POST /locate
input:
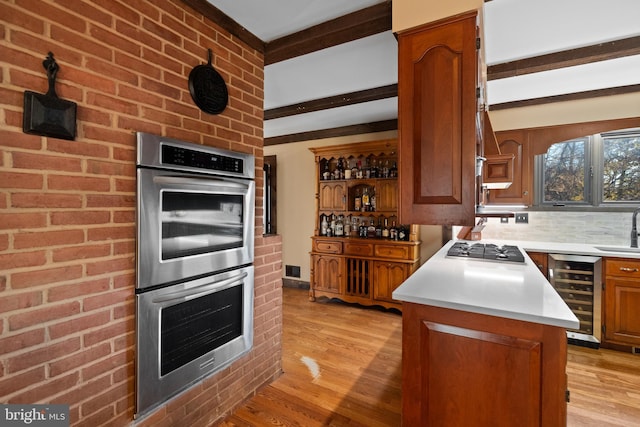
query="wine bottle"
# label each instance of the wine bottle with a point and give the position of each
(357, 201)
(385, 229)
(323, 225)
(393, 232)
(366, 200)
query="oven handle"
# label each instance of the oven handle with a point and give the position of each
(198, 290)
(166, 179)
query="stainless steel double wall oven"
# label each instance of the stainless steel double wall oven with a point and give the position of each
(194, 272)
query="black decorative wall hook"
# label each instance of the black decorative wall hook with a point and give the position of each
(46, 114)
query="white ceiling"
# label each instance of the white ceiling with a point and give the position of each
(514, 29)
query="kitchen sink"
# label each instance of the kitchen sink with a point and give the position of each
(618, 249)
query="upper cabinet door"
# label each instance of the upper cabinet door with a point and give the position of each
(437, 81)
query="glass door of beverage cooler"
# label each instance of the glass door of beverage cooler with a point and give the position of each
(578, 280)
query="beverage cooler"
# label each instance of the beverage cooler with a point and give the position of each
(578, 280)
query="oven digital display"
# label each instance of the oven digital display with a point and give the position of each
(198, 223)
(194, 328)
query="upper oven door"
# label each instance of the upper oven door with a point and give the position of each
(191, 225)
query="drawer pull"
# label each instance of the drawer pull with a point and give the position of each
(629, 269)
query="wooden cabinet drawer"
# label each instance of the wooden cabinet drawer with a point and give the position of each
(622, 268)
(392, 251)
(327, 246)
(360, 249)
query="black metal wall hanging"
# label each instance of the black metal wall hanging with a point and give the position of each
(46, 114)
(208, 88)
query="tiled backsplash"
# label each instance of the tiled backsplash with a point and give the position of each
(611, 228)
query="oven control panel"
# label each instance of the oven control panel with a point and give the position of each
(172, 155)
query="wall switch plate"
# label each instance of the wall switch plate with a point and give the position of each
(504, 220)
(522, 218)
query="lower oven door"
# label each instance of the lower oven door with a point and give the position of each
(188, 331)
(191, 225)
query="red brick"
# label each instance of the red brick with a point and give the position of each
(84, 149)
(22, 259)
(80, 252)
(39, 161)
(111, 201)
(15, 180)
(114, 329)
(44, 391)
(75, 290)
(45, 276)
(114, 298)
(19, 301)
(79, 324)
(106, 365)
(47, 238)
(45, 200)
(74, 361)
(4, 244)
(42, 315)
(78, 183)
(22, 381)
(111, 233)
(41, 355)
(80, 217)
(99, 167)
(21, 341)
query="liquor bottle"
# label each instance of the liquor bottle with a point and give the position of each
(332, 225)
(374, 169)
(326, 174)
(323, 225)
(347, 224)
(371, 230)
(372, 198)
(393, 172)
(355, 232)
(385, 169)
(366, 200)
(359, 174)
(367, 169)
(379, 229)
(362, 229)
(393, 232)
(357, 201)
(354, 170)
(402, 232)
(339, 171)
(339, 227)
(385, 229)
(347, 170)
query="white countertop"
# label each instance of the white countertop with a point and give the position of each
(574, 248)
(510, 290)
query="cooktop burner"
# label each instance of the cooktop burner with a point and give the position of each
(486, 251)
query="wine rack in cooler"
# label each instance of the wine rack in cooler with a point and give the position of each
(578, 280)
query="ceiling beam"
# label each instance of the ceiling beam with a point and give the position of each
(620, 90)
(358, 129)
(567, 58)
(343, 100)
(219, 18)
(363, 23)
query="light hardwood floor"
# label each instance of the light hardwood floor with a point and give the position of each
(342, 363)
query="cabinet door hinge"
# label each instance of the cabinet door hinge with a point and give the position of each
(477, 93)
(567, 396)
(478, 43)
(604, 329)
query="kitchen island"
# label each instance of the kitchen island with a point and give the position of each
(484, 344)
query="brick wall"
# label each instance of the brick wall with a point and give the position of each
(67, 208)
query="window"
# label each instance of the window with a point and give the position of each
(598, 170)
(269, 220)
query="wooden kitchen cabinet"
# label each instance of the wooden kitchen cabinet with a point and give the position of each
(541, 261)
(438, 123)
(469, 369)
(350, 267)
(520, 192)
(622, 299)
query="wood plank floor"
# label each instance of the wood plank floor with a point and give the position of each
(342, 363)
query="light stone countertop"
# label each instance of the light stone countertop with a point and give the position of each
(504, 289)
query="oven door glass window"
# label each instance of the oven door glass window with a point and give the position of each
(197, 223)
(195, 327)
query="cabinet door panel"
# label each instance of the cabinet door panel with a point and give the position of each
(622, 317)
(327, 273)
(437, 123)
(332, 196)
(387, 195)
(520, 191)
(387, 277)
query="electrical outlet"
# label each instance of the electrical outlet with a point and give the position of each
(522, 218)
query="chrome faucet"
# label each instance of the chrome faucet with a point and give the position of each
(634, 229)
